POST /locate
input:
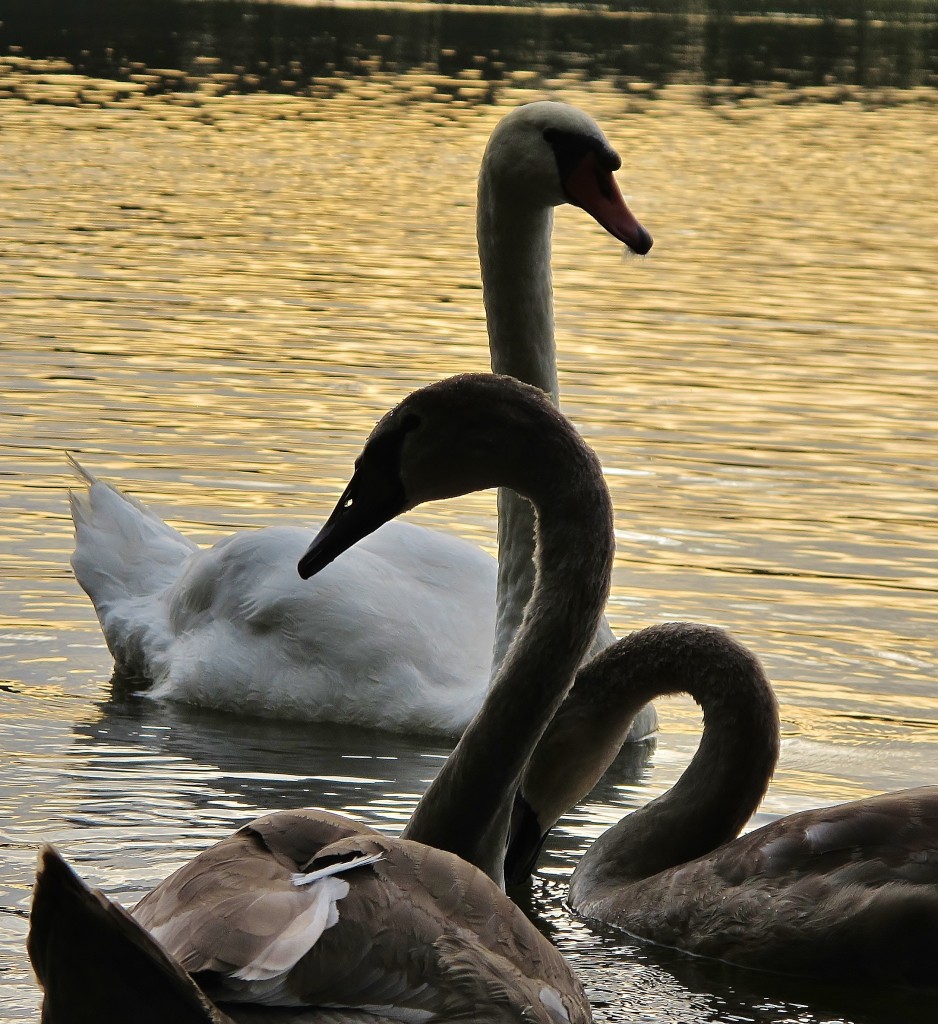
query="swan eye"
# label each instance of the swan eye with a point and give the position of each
(410, 422)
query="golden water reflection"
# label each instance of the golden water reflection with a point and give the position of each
(210, 299)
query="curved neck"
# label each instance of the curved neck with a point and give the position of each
(466, 809)
(721, 787)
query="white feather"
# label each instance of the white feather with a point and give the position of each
(299, 937)
(337, 868)
(554, 1005)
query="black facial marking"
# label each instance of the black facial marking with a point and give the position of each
(386, 449)
(570, 148)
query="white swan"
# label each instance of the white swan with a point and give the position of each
(308, 908)
(399, 635)
(849, 890)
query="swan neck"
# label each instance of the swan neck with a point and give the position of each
(514, 253)
(466, 809)
(719, 790)
(515, 579)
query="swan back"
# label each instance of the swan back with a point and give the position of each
(409, 931)
(240, 610)
(297, 909)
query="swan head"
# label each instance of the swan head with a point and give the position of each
(467, 433)
(547, 153)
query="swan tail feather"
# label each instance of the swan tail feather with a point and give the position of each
(119, 533)
(125, 557)
(889, 933)
(95, 962)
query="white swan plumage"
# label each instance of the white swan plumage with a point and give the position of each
(400, 635)
(233, 627)
(309, 908)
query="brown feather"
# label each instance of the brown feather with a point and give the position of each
(844, 890)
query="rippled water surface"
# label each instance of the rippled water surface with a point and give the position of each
(209, 297)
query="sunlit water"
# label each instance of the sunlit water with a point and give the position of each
(209, 298)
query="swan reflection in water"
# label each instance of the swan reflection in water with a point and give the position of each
(266, 763)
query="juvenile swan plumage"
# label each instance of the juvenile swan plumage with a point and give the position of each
(399, 635)
(308, 908)
(849, 890)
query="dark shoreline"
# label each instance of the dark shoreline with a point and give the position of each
(284, 47)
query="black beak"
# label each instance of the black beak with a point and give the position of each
(369, 501)
(525, 840)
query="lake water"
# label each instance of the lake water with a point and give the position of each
(234, 235)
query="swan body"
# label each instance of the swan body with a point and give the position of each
(400, 635)
(387, 929)
(233, 627)
(840, 892)
(398, 929)
(308, 908)
(849, 890)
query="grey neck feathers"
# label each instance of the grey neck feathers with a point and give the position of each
(514, 252)
(467, 807)
(728, 776)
